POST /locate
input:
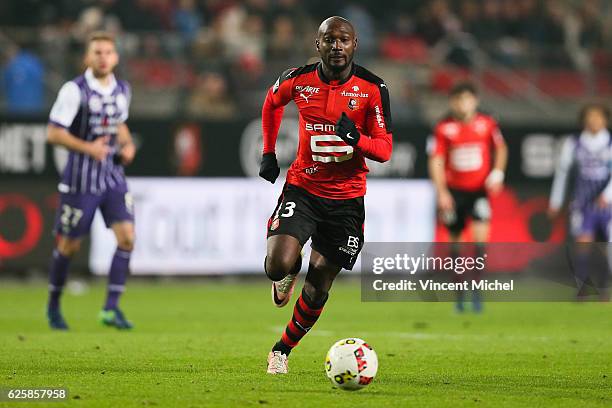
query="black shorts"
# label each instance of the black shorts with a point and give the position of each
(474, 204)
(335, 226)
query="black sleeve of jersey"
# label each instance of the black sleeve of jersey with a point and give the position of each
(282, 78)
(363, 73)
(292, 73)
(386, 106)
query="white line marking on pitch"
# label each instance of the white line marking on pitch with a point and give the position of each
(422, 336)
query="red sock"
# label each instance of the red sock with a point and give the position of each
(304, 317)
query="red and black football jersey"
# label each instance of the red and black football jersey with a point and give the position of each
(325, 165)
(466, 148)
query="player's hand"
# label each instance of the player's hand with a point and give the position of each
(127, 153)
(445, 201)
(269, 169)
(495, 188)
(347, 131)
(495, 181)
(99, 148)
(553, 213)
(602, 202)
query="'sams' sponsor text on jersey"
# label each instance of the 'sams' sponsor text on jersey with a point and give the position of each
(320, 148)
(320, 127)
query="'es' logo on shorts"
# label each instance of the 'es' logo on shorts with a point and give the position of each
(353, 242)
(274, 224)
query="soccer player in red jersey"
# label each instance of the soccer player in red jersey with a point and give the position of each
(462, 168)
(344, 118)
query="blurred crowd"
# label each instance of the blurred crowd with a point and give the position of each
(213, 58)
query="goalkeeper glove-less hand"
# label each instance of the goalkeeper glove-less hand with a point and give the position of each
(347, 131)
(269, 169)
(495, 176)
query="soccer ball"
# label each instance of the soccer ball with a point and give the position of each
(351, 364)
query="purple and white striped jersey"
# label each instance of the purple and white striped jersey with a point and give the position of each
(88, 110)
(591, 157)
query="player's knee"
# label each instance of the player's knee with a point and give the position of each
(278, 266)
(126, 242)
(68, 247)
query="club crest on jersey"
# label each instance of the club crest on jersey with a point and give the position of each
(450, 130)
(481, 127)
(95, 104)
(353, 104)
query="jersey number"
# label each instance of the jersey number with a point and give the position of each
(70, 216)
(129, 202)
(328, 158)
(289, 207)
(467, 157)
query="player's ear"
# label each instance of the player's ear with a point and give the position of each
(355, 43)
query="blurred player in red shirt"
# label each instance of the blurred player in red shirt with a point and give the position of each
(467, 163)
(344, 118)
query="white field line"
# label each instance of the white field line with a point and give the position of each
(423, 336)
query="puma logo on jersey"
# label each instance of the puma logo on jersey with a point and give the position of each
(307, 91)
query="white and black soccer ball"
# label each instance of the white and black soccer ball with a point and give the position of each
(351, 364)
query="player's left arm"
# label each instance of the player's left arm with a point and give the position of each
(495, 179)
(605, 198)
(127, 149)
(377, 144)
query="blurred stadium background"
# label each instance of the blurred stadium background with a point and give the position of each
(200, 69)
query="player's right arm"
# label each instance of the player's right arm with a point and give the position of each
(277, 97)
(437, 172)
(559, 186)
(62, 114)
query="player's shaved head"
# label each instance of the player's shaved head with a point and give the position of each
(333, 22)
(336, 43)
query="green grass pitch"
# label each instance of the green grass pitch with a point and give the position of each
(204, 343)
